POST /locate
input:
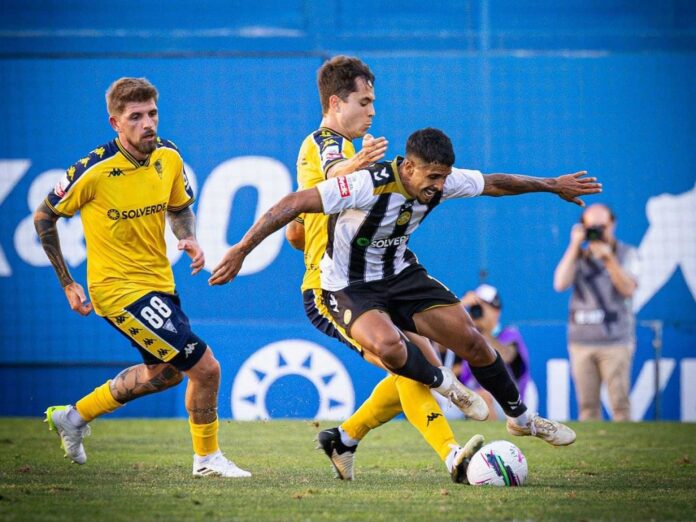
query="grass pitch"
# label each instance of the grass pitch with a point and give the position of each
(141, 470)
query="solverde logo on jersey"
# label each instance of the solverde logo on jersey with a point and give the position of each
(381, 243)
(115, 214)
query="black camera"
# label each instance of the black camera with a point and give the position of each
(476, 311)
(595, 233)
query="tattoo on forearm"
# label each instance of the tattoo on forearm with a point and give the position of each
(133, 382)
(47, 230)
(183, 223)
(276, 217)
(504, 184)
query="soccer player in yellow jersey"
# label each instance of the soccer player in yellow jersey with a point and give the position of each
(347, 98)
(123, 190)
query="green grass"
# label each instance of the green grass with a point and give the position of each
(141, 470)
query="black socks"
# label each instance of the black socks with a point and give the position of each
(496, 379)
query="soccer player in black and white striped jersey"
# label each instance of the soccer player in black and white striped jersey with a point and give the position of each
(375, 287)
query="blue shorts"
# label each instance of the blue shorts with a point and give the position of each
(158, 328)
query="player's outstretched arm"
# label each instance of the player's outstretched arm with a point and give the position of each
(279, 215)
(568, 187)
(183, 224)
(45, 223)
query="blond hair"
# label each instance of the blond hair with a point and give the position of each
(125, 90)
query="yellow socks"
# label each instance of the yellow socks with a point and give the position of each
(97, 403)
(380, 407)
(424, 413)
(205, 438)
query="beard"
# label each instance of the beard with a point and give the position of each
(146, 147)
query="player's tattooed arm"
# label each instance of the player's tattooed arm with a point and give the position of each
(141, 380)
(182, 223)
(45, 222)
(567, 187)
(280, 214)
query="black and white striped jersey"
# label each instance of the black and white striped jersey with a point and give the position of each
(373, 217)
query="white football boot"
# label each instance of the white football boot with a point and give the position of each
(217, 465)
(553, 432)
(71, 437)
(459, 457)
(468, 401)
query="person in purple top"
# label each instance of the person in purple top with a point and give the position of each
(484, 306)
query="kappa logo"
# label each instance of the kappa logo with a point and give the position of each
(190, 348)
(432, 417)
(134, 331)
(162, 352)
(120, 319)
(343, 187)
(115, 172)
(333, 303)
(148, 341)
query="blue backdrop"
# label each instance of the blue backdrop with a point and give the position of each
(540, 89)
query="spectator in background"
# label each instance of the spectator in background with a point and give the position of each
(601, 323)
(484, 306)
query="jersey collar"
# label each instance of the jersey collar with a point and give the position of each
(399, 184)
(335, 132)
(130, 157)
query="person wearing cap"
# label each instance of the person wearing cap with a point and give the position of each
(484, 305)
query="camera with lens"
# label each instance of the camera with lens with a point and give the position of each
(595, 233)
(476, 311)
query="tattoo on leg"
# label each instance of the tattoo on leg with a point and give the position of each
(140, 380)
(203, 411)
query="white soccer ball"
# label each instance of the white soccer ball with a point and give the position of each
(499, 463)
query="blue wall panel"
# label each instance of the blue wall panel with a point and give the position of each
(622, 113)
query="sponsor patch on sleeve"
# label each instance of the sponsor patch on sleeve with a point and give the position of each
(343, 186)
(61, 186)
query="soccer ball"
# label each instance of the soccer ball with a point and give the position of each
(499, 463)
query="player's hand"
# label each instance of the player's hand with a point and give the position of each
(577, 234)
(373, 150)
(195, 252)
(228, 268)
(77, 298)
(570, 186)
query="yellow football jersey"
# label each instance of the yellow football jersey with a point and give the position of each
(122, 205)
(319, 151)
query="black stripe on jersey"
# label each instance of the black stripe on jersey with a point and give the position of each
(73, 173)
(330, 227)
(405, 214)
(363, 238)
(410, 257)
(434, 202)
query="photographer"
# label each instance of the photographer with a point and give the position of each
(601, 324)
(484, 306)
